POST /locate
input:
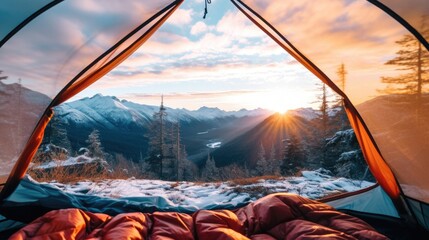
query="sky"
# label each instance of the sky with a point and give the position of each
(222, 61)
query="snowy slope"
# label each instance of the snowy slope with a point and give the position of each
(312, 184)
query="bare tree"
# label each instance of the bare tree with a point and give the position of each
(341, 73)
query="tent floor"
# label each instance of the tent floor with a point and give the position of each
(394, 228)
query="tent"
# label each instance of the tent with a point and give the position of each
(391, 126)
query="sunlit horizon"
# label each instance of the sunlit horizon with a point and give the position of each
(170, 102)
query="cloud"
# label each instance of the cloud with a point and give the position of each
(219, 94)
(194, 75)
(199, 27)
(181, 17)
(227, 100)
(166, 43)
(237, 25)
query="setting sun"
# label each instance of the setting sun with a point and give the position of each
(280, 100)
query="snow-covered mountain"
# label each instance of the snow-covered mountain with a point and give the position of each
(109, 112)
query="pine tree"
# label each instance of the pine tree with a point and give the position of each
(94, 145)
(261, 163)
(157, 151)
(323, 110)
(183, 168)
(413, 61)
(57, 134)
(178, 153)
(187, 170)
(322, 122)
(210, 172)
(274, 162)
(294, 156)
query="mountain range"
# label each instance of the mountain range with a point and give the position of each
(124, 124)
(109, 112)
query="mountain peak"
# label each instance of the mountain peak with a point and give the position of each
(98, 95)
(110, 108)
(205, 108)
(101, 96)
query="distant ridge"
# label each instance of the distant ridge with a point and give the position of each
(110, 111)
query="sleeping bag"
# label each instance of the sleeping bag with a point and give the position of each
(277, 216)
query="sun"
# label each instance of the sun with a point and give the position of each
(279, 100)
(280, 107)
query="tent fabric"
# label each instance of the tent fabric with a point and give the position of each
(19, 169)
(395, 127)
(412, 11)
(376, 163)
(421, 210)
(374, 201)
(13, 16)
(277, 216)
(83, 38)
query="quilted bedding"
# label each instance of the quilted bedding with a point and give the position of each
(277, 216)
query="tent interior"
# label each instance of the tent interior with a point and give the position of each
(333, 107)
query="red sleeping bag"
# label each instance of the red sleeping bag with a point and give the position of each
(277, 216)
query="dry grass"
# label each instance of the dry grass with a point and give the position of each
(120, 168)
(123, 168)
(253, 191)
(69, 174)
(252, 180)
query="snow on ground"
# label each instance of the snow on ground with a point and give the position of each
(214, 145)
(81, 159)
(312, 184)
